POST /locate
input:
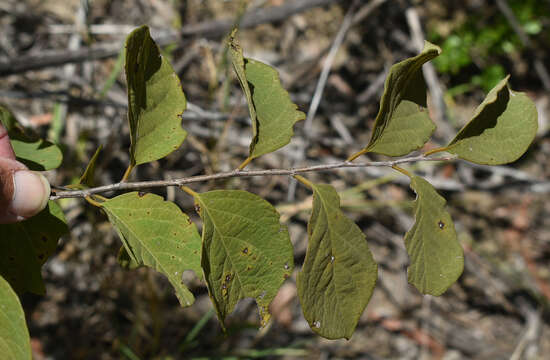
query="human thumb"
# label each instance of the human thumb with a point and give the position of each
(23, 193)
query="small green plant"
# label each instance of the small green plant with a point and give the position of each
(243, 250)
(482, 36)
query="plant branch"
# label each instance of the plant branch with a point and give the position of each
(236, 173)
(320, 87)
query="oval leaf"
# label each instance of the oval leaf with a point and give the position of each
(339, 273)
(14, 335)
(26, 246)
(501, 130)
(272, 113)
(35, 153)
(246, 252)
(403, 124)
(155, 100)
(437, 259)
(156, 233)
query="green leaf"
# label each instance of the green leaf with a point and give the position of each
(87, 177)
(339, 272)
(123, 258)
(272, 113)
(26, 246)
(437, 259)
(155, 100)
(246, 252)
(501, 130)
(7, 118)
(237, 58)
(403, 124)
(35, 153)
(14, 335)
(156, 233)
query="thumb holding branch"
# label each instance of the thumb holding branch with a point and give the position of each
(23, 193)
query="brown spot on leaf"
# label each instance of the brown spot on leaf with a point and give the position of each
(286, 276)
(228, 277)
(41, 256)
(12, 258)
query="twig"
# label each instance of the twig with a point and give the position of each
(446, 132)
(531, 334)
(211, 28)
(236, 173)
(321, 82)
(327, 65)
(374, 88)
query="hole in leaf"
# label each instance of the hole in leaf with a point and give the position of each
(441, 224)
(317, 324)
(141, 193)
(245, 251)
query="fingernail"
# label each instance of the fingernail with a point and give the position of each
(31, 193)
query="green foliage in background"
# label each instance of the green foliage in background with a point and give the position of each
(484, 38)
